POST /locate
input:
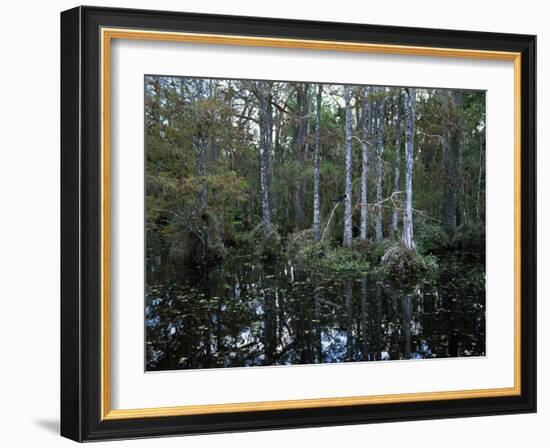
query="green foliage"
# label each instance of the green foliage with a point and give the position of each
(431, 239)
(271, 246)
(326, 256)
(345, 260)
(408, 266)
(254, 242)
(470, 240)
(199, 237)
(299, 241)
(377, 249)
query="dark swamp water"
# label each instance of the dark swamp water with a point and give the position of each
(254, 313)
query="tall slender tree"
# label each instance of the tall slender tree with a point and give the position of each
(301, 147)
(366, 118)
(348, 158)
(397, 164)
(452, 163)
(271, 149)
(316, 174)
(264, 93)
(410, 112)
(479, 177)
(156, 104)
(200, 140)
(381, 118)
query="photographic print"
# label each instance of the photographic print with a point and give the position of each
(285, 202)
(303, 223)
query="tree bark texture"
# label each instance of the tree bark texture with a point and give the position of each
(381, 109)
(452, 165)
(348, 158)
(316, 174)
(302, 130)
(397, 165)
(264, 149)
(366, 119)
(410, 110)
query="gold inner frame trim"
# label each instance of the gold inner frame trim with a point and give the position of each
(107, 35)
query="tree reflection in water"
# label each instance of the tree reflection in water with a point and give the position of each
(253, 313)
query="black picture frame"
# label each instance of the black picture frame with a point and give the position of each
(81, 224)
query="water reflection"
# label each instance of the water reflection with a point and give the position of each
(251, 313)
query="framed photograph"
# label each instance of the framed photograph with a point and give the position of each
(272, 223)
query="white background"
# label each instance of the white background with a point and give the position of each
(133, 388)
(29, 177)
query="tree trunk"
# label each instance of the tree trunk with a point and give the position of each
(303, 103)
(156, 106)
(397, 166)
(452, 165)
(410, 110)
(348, 155)
(316, 176)
(265, 142)
(379, 150)
(271, 150)
(481, 165)
(202, 170)
(200, 142)
(367, 112)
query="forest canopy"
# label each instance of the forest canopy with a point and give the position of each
(264, 165)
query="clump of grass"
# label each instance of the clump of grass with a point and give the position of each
(326, 256)
(408, 266)
(344, 260)
(376, 250)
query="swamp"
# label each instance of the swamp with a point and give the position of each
(303, 223)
